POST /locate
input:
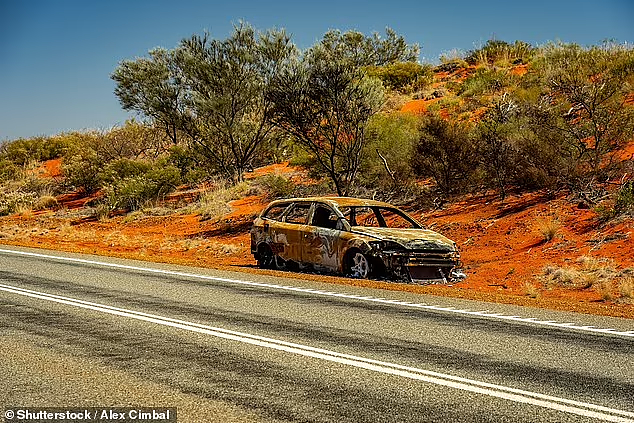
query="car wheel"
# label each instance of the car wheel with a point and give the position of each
(359, 265)
(266, 258)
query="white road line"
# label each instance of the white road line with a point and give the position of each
(485, 313)
(446, 380)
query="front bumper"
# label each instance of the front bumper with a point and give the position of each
(423, 267)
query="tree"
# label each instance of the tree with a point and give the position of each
(370, 51)
(496, 149)
(446, 152)
(325, 102)
(211, 90)
(153, 87)
(584, 102)
(230, 116)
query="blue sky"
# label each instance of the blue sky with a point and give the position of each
(56, 56)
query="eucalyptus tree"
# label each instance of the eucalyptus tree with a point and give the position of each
(211, 90)
(325, 101)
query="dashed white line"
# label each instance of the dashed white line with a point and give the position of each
(498, 391)
(420, 306)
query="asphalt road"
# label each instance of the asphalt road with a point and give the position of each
(219, 346)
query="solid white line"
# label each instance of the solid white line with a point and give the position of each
(498, 391)
(490, 315)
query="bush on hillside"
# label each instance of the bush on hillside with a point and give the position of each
(497, 52)
(446, 152)
(406, 77)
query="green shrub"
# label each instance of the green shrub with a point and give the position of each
(124, 168)
(133, 192)
(83, 171)
(446, 151)
(27, 150)
(502, 53)
(624, 203)
(485, 81)
(277, 186)
(9, 171)
(403, 76)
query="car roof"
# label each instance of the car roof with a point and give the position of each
(335, 201)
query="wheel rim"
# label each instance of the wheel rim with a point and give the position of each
(360, 268)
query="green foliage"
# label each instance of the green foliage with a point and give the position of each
(386, 161)
(485, 81)
(83, 170)
(624, 203)
(133, 140)
(583, 92)
(406, 77)
(360, 50)
(495, 143)
(132, 192)
(325, 103)
(277, 186)
(212, 91)
(28, 150)
(124, 169)
(189, 163)
(446, 152)
(497, 52)
(9, 170)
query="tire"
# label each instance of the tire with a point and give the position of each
(358, 265)
(266, 258)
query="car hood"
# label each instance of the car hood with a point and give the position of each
(414, 239)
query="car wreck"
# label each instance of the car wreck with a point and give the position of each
(359, 238)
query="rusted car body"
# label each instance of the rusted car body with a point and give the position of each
(360, 238)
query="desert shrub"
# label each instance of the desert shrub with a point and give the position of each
(485, 81)
(123, 169)
(277, 186)
(451, 61)
(9, 170)
(598, 274)
(624, 203)
(189, 163)
(83, 171)
(446, 152)
(213, 202)
(133, 192)
(133, 140)
(386, 160)
(403, 76)
(46, 202)
(27, 150)
(497, 52)
(548, 228)
(15, 201)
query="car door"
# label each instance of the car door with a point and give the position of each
(321, 245)
(288, 233)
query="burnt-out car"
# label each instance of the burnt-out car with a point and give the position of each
(360, 238)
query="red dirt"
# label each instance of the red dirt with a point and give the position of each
(501, 246)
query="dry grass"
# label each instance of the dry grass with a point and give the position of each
(531, 290)
(626, 287)
(599, 274)
(549, 228)
(213, 202)
(46, 202)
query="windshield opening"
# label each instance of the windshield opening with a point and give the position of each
(378, 217)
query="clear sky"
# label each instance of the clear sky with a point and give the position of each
(56, 56)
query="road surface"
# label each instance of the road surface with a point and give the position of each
(234, 347)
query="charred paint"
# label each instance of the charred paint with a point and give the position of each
(315, 232)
